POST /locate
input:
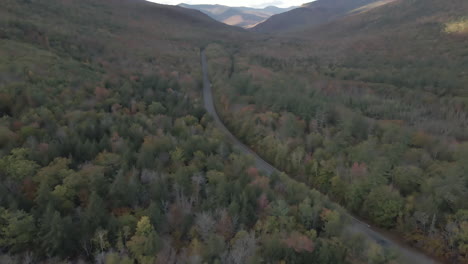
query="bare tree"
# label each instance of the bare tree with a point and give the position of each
(184, 203)
(245, 246)
(28, 258)
(167, 255)
(198, 181)
(205, 224)
(149, 176)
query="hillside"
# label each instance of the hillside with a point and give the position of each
(238, 16)
(314, 14)
(400, 41)
(97, 34)
(370, 108)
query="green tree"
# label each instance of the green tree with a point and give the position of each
(95, 214)
(384, 206)
(306, 213)
(146, 243)
(17, 166)
(156, 108)
(115, 258)
(6, 136)
(156, 215)
(123, 192)
(408, 179)
(54, 173)
(17, 230)
(56, 234)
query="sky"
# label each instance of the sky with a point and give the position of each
(249, 3)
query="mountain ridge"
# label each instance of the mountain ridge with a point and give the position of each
(245, 17)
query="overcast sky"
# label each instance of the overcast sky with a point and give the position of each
(250, 3)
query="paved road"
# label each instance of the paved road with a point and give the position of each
(210, 108)
(407, 254)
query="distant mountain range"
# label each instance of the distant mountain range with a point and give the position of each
(315, 13)
(245, 17)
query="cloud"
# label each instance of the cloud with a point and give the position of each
(249, 3)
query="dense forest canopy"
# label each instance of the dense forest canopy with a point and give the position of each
(108, 156)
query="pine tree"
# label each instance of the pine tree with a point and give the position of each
(156, 215)
(56, 234)
(95, 214)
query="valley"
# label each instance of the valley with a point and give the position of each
(238, 16)
(136, 132)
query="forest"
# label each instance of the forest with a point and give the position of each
(135, 171)
(107, 156)
(378, 126)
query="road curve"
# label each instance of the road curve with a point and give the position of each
(406, 254)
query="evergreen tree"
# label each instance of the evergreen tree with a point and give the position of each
(56, 234)
(95, 214)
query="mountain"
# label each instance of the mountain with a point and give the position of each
(314, 14)
(238, 16)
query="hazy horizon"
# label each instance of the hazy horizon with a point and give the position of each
(234, 3)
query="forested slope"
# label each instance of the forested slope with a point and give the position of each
(314, 14)
(370, 109)
(106, 155)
